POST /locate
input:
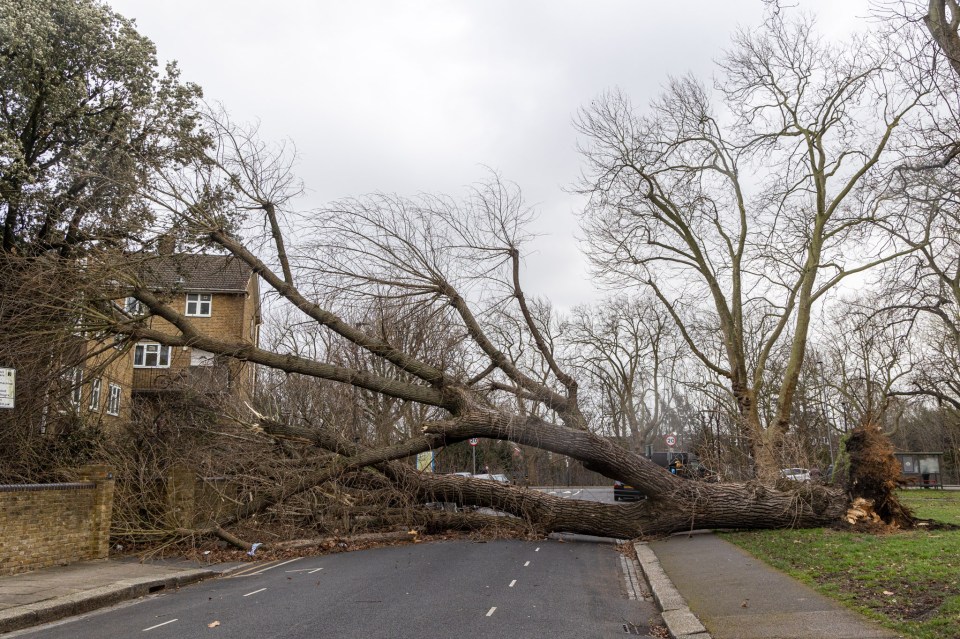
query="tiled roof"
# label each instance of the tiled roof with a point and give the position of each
(191, 272)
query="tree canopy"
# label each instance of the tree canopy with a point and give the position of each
(85, 116)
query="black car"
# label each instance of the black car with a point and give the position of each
(623, 492)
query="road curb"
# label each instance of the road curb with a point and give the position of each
(82, 602)
(680, 621)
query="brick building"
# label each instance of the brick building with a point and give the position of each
(100, 388)
(220, 295)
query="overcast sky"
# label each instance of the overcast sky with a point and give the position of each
(418, 96)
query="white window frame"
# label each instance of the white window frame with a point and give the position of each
(75, 378)
(133, 306)
(113, 399)
(95, 387)
(143, 350)
(200, 357)
(198, 305)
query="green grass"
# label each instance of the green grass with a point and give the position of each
(939, 505)
(919, 569)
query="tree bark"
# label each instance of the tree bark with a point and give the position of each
(944, 30)
(672, 504)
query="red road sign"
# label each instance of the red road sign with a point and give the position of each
(474, 441)
(671, 440)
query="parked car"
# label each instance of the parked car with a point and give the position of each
(503, 479)
(624, 492)
(795, 474)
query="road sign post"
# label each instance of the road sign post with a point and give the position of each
(473, 447)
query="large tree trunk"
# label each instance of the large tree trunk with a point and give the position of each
(672, 503)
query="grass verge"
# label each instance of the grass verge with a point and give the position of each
(908, 581)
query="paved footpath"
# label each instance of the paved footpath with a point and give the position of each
(737, 596)
(50, 594)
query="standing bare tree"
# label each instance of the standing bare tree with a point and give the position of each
(625, 350)
(924, 287)
(740, 217)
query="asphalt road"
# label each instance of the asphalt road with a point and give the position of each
(452, 589)
(560, 587)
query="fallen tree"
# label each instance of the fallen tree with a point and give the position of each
(672, 504)
(490, 366)
(480, 386)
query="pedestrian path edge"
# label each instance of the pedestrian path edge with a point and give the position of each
(78, 603)
(680, 621)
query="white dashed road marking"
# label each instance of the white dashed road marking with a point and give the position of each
(254, 592)
(261, 567)
(159, 624)
(512, 583)
(490, 612)
(526, 564)
(282, 563)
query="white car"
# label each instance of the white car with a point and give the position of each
(503, 479)
(795, 474)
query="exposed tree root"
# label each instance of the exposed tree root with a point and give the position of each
(874, 478)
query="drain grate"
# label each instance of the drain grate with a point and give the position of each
(633, 629)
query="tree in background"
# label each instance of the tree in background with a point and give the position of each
(85, 116)
(626, 352)
(740, 217)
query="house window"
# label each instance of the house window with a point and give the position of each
(150, 355)
(133, 306)
(75, 379)
(95, 387)
(201, 358)
(113, 400)
(198, 304)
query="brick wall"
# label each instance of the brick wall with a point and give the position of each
(54, 524)
(196, 501)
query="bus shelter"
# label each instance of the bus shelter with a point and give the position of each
(921, 469)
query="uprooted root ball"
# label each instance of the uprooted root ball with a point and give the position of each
(875, 475)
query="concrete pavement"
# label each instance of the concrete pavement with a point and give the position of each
(707, 587)
(42, 596)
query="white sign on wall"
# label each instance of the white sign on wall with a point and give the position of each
(8, 387)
